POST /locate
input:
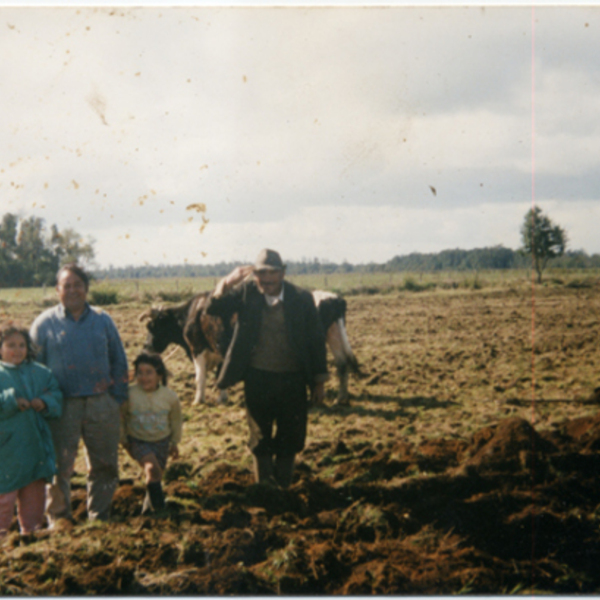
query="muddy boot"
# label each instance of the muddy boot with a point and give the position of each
(263, 469)
(284, 470)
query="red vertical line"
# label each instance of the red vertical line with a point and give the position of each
(533, 512)
(533, 220)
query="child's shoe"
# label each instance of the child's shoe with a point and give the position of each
(154, 499)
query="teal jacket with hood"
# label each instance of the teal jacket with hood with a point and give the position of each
(26, 448)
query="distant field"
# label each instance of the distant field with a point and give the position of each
(147, 290)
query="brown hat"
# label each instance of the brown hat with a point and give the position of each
(268, 260)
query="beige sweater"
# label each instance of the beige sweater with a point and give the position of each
(151, 416)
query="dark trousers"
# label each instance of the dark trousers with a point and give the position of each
(278, 399)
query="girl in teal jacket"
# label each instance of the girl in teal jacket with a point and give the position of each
(29, 394)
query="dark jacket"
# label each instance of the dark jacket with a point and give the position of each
(304, 332)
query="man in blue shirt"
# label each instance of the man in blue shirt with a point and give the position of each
(82, 347)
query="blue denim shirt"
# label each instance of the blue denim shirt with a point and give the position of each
(86, 356)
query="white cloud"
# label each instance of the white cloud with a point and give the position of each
(116, 119)
(336, 233)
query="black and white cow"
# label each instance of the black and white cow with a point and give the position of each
(332, 313)
(205, 338)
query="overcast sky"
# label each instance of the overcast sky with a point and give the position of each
(204, 134)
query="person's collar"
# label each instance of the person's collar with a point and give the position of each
(10, 365)
(272, 300)
(63, 312)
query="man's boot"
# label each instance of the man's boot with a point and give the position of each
(263, 469)
(284, 470)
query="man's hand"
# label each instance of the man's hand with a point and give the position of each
(174, 451)
(23, 404)
(236, 276)
(38, 405)
(317, 394)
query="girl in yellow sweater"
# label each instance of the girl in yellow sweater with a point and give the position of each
(151, 425)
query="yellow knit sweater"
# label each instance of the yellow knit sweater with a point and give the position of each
(151, 416)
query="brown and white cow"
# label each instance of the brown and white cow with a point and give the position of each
(205, 338)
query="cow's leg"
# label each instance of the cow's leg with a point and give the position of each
(336, 342)
(200, 366)
(223, 397)
(214, 362)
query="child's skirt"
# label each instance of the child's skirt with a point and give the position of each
(160, 449)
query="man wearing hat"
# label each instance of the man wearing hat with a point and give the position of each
(278, 349)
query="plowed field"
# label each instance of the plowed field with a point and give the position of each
(467, 462)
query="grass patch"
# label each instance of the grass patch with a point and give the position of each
(579, 284)
(103, 297)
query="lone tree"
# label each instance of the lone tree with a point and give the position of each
(542, 239)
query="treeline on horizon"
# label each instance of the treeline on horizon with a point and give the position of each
(478, 259)
(31, 253)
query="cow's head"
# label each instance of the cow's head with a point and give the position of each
(163, 327)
